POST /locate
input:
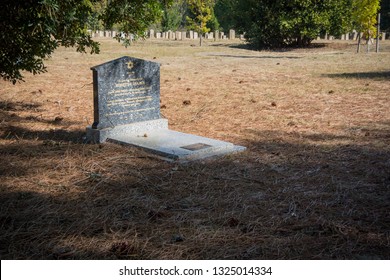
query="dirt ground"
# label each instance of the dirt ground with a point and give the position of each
(314, 182)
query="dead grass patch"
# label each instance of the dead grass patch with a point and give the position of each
(313, 184)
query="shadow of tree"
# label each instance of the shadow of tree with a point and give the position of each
(315, 45)
(17, 132)
(11, 127)
(18, 106)
(383, 75)
(288, 197)
(252, 57)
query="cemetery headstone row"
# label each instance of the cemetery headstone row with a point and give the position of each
(349, 36)
(216, 35)
(174, 35)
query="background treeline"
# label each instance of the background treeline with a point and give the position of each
(31, 30)
(175, 15)
(271, 23)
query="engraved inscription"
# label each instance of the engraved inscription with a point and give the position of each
(128, 93)
(126, 90)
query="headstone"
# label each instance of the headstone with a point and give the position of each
(383, 36)
(191, 34)
(196, 35)
(343, 37)
(164, 35)
(216, 35)
(222, 34)
(178, 35)
(101, 33)
(158, 35)
(184, 35)
(211, 35)
(113, 33)
(347, 36)
(354, 36)
(126, 90)
(232, 34)
(127, 111)
(151, 34)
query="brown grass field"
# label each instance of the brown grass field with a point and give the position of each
(314, 182)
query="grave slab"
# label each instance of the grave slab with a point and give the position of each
(176, 146)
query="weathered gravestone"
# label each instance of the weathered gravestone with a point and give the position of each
(127, 111)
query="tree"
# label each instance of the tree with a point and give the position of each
(340, 15)
(364, 18)
(133, 16)
(200, 13)
(94, 21)
(385, 14)
(174, 15)
(30, 30)
(213, 23)
(270, 23)
(225, 13)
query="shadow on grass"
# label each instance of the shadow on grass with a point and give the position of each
(252, 57)
(247, 46)
(11, 120)
(287, 197)
(12, 132)
(382, 75)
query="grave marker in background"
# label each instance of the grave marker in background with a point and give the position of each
(232, 34)
(216, 35)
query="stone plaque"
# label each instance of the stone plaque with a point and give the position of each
(196, 146)
(126, 90)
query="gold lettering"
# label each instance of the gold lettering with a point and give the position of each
(130, 83)
(127, 112)
(137, 100)
(127, 91)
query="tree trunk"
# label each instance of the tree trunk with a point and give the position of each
(359, 38)
(378, 31)
(200, 39)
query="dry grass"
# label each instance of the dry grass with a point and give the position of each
(313, 184)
